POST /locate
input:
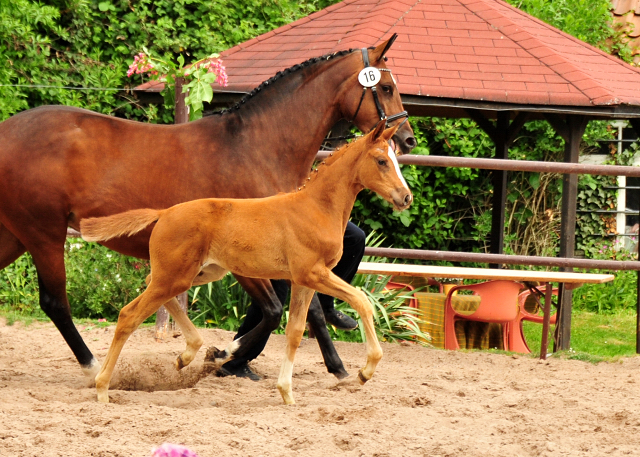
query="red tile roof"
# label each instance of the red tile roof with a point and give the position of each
(468, 49)
(626, 15)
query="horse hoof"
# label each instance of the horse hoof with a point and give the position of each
(361, 378)
(342, 374)
(91, 371)
(179, 363)
(214, 354)
(287, 397)
(103, 397)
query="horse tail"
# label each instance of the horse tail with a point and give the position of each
(128, 223)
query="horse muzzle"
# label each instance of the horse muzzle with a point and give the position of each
(401, 198)
(404, 140)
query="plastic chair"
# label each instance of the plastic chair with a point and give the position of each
(413, 301)
(498, 303)
(430, 283)
(517, 342)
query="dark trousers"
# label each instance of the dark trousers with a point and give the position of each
(352, 252)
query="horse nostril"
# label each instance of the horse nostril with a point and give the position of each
(407, 199)
(411, 142)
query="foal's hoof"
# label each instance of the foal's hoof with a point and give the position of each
(179, 363)
(103, 396)
(361, 378)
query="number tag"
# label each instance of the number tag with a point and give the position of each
(369, 77)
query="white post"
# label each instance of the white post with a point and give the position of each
(621, 217)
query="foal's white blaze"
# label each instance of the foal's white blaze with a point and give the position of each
(394, 159)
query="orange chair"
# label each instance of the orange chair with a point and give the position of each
(498, 303)
(517, 342)
(413, 302)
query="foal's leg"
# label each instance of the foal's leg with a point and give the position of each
(326, 282)
(192, 336)
(300, 299)
(131, 316)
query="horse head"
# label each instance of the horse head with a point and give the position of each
(378, 168)
(373, 95)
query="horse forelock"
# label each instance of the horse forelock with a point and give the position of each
(278, 76)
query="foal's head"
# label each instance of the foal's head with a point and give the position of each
(377, 168)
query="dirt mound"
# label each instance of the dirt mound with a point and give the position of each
(421, 402)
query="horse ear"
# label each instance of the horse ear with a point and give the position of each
(377, 131)
(390, 132)
(378, 53)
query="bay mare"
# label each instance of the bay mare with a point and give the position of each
(295, 236)
(59, 165)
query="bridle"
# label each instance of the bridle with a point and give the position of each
(376, 100)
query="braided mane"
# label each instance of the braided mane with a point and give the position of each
(279, 75)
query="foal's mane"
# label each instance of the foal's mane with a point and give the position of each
(334, 156)
(279, 75)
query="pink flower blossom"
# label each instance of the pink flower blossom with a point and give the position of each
(141, 64)
(172, 450)
(219, 69)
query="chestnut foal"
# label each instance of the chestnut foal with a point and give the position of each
(295, 236)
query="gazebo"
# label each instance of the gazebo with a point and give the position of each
(481, 59)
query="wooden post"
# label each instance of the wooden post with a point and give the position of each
(503, 135)
(162, 315)
(635, 123)
(572, 131)
(499, 181)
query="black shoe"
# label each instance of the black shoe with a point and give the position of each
(243, 371)
(339, 320)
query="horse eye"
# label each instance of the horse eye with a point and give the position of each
(386, 89)
(382, 162)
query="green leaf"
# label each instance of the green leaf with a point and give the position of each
(534, 180)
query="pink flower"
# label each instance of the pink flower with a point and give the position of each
(217, 68)
(141, 64)
(172, 450)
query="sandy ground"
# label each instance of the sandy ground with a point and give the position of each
(421, 402)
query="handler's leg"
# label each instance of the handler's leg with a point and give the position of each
(346, 269)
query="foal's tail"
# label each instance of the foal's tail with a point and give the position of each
(129, 223)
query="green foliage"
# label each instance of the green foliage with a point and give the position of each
(88, 43)
(594, 337)
(452, 206)
(99, 282)
(221, 304)
(19, 288)
(394, 320)
(444, 198)
(587, 20)
(611, 297)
